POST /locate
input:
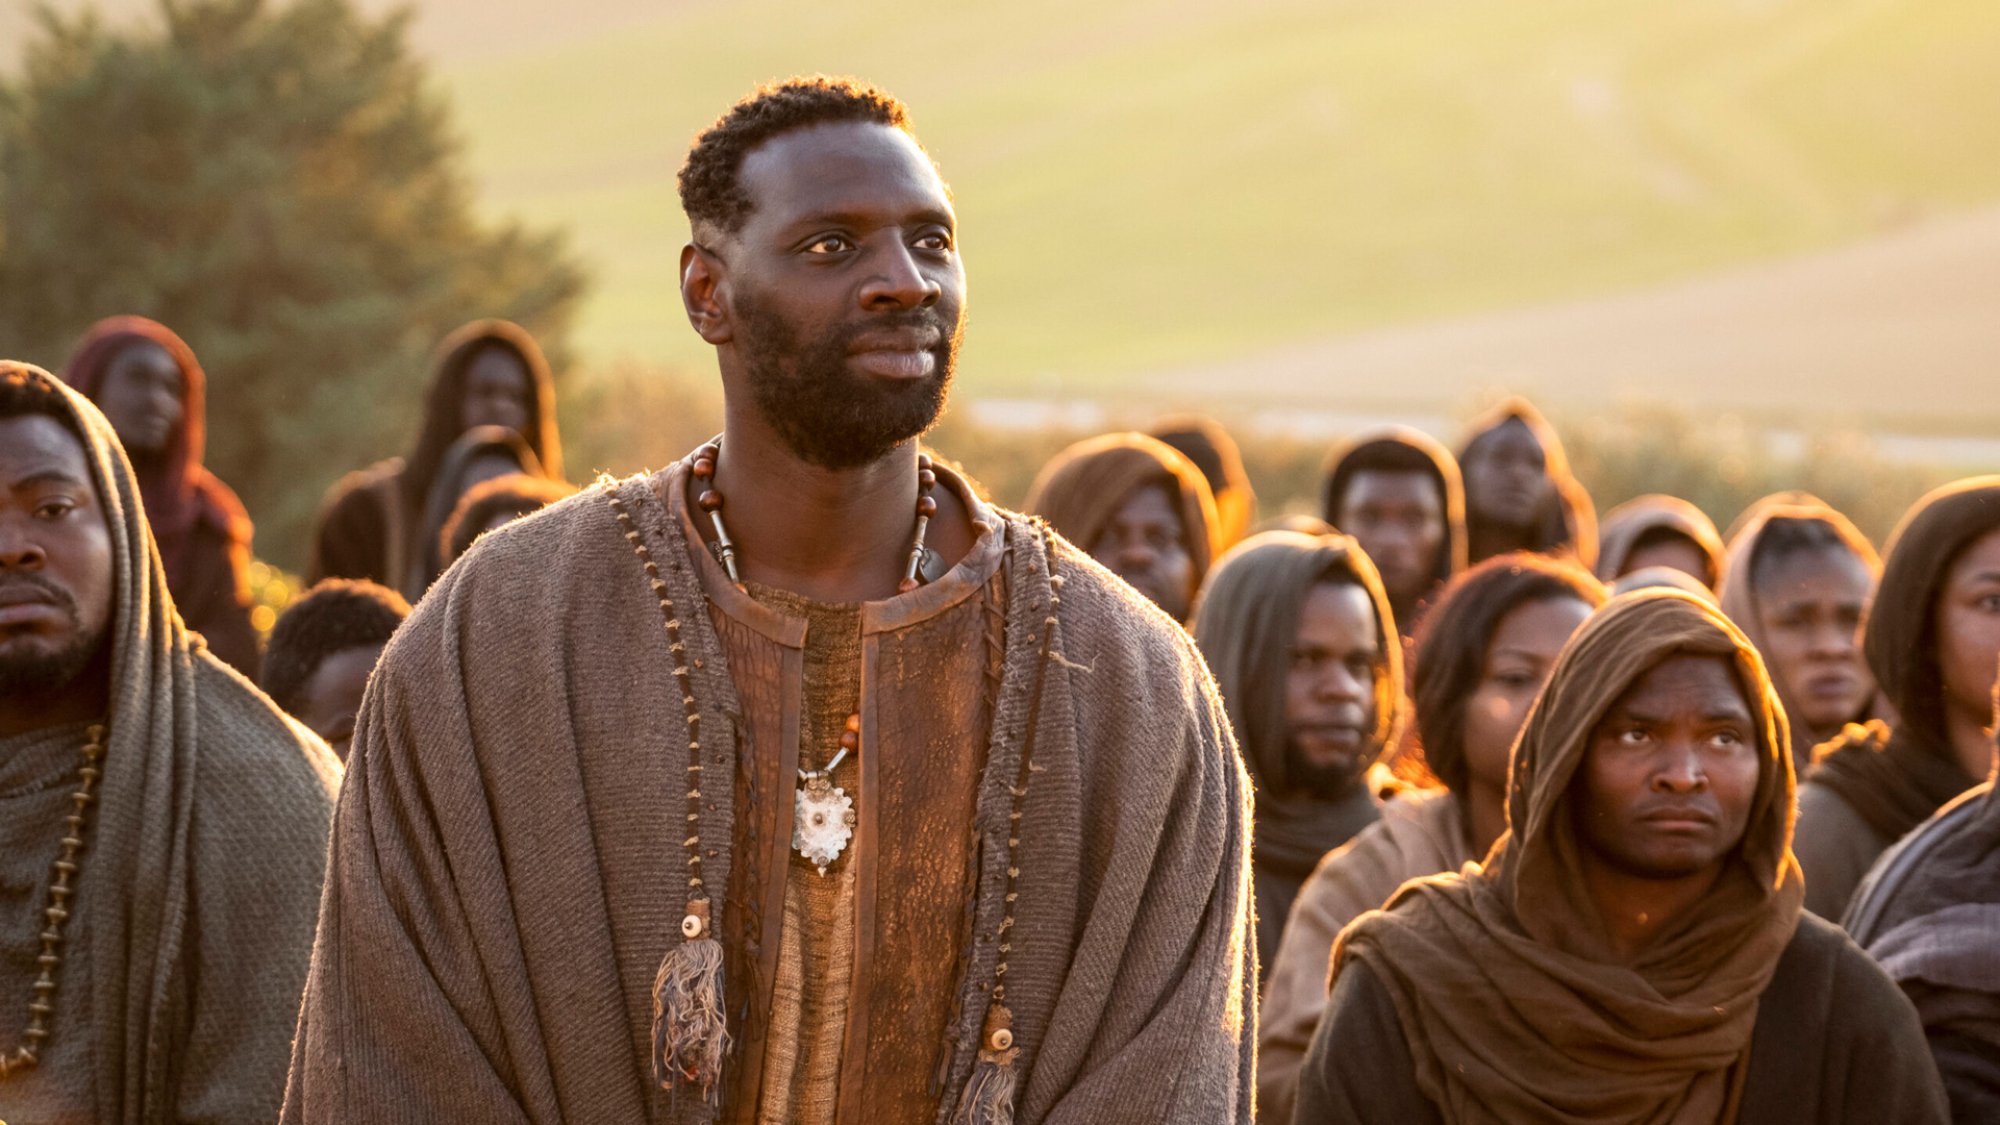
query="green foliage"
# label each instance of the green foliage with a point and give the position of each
(282, 186)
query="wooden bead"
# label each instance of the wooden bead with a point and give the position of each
(854, 722)
(926, 506)
(704, 468)
(850, 741)
(926, 479)
(710, 501)
(924, 464)
(1001, 1039)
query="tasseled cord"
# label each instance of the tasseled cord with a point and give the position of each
(989, 1094)
(690, 1032)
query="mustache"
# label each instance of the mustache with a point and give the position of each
(917, 319)
(50, 592)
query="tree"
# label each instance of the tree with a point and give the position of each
(280, 185)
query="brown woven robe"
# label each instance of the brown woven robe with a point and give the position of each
(200, 876)
(506, 868)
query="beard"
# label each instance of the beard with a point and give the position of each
(826, 414)
(1328, 777)
(29, 669)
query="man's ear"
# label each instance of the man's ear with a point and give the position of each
(701, 294)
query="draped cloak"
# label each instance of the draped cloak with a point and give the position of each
(200, 873)
(506, 867)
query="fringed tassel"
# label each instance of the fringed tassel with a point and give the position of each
(988, 1098)
(690, 1030)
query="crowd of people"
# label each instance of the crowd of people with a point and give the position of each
(860, 797)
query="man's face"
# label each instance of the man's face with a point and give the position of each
(1506, 476)
(331, 697)
(1519, 658)
(844, 291)
(144, 397)
(1809, 606)
(1666, 784)
(1398, 518)
(1146, 545)
(496, 391)
(55, 558)
(1330, 688)
(1967, 625)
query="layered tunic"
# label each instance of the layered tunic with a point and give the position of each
(186, 950)
(507, 864)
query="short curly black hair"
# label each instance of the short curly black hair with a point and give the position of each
(513, 495)
(332, 617)
(711, 191)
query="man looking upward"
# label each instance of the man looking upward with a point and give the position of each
(770, 787)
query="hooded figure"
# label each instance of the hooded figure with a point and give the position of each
(1501, 994)
(1871, 785)
(1812, 648)
(1519, 493)
(1085, 493)
(484, 453)
(1204, 442)
(1249, 628)
(1928, 913)
(372, 524)
(1415, 550)
(200, 526)
(194, 891)
(1659, 530)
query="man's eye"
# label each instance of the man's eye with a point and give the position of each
(1727, 738)
(1634, 736)
(1989, 603)
(54, 509)
(830, 244)
(936, 241)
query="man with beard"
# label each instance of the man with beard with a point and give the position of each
(1138, 507)
(1397, 492)
(773, 786)
(1298, 632)
(1635, 948)
(162, 826)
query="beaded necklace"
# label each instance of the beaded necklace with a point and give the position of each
(41, 1006)
(822, 812)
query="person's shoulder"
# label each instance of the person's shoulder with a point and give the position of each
(537, 551)
(1822, 961)
(1100, 610)
(266, 760)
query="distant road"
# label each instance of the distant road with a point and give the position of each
(1896, 331)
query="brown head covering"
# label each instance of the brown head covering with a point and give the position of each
(179, 493)
(1204, 442)
(1245, 625)
(1396, 449)
(1737, 592)
(1082, 488)
(204, 854)
(1895, 781)
(1626, 524)
(1511, 1000)
(1570, 523)
(448, 487)
(444, 403)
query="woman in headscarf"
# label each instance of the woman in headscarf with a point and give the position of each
(1633, 950)
(1797, 580)
(1138, 507)
(145, 379)
(1481, 658)
(1298, 633)
(1519, 493)
(1932, 638)
(1397, 492)
(1204, 442)
(1659, 530)
(488, 373)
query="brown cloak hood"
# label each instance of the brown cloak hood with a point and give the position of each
(1896, 782)
(1626, 524)
(1512, 1003)
(1204, 442)
(1570, 522)
(1083, 487)
(1363, 452)
(204, 854)
(1738, 594)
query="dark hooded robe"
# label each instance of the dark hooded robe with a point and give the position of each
(1568, 524)
(371, 524)
(1873, 784)
(200, 526)
(1929, 913)
(1204, 442)
(1386, 449)
(1246, 626)
(1737, 594)
(192, 920)
(1082, 488)
(1495, 995)
(453, 481)
(1636, 519)
(510, 871)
